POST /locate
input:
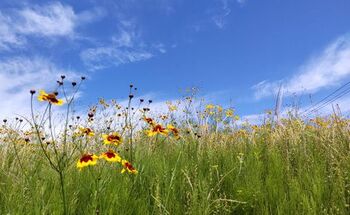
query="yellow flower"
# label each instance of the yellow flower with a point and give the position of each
(150, 121)
(50, 97)
(229, 113)
(210, 106)
(174, 130)
(87, 160)
(128, 167)
(111, 156)
(157, 129)
(114, 138)
(86, 131)
(219, 108)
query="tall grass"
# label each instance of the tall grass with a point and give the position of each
(295, 167)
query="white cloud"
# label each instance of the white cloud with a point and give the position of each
(327, 69)
(220, 18)
(20, 74)
(102, 57)
(50, 20)
(53, 19)
(125, 47)
(241, 2)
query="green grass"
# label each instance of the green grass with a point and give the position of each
(290, 169)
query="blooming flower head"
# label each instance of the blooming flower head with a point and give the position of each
(229, 113)
(113, 138)
(111, 156)
(86, 131)
(157, 129)
(87, 160)
(209, 106)
(49, 97)
(150, 121)
(174, 131)
(128, 167)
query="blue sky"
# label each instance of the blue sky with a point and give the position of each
(238, 52)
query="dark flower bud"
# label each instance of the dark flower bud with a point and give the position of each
(131, 85)
(83, 78)
(21, 120)
(74, 83)
(108, 127)
(131, 96)
(56, 93)
(32, 92)
(27, 140)
(142, 100)
(90, 115)
(135, 88)
(63, 77)
(60, 83)
(78, 117)
(150, 101)
(16, 118)
(5, 120)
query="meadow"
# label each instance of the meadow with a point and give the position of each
(194, 158)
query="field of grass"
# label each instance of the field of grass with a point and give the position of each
(208, 164)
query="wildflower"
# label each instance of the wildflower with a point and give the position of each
(164, 117)
(150, 121)
(174, 130)
(219, 108)
(209, 106)
(87, 131)
(229, 113)
(157, 129)
(50, 97)
(114, 138)
(128, 167)
(87, 160)
(111, 156)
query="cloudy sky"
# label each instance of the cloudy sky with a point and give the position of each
(238, 52)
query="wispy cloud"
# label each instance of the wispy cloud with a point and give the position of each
(219, 19)
(19, 75)
(51, 20)
(327, 69)
(241, 2)
(125, 47)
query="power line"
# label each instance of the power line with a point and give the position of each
(325, 98)
(329, 99)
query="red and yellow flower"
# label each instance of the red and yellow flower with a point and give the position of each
(128, 167)
(111, 156)
(157, 129)
(87, 160)
(49, 97)
(150, 121)
(174, 131)
(112, 138)
(86, 131)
